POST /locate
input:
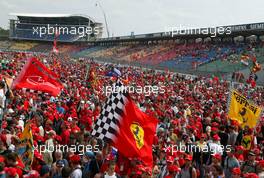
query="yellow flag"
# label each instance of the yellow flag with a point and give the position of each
(26, 149)
(243, 110)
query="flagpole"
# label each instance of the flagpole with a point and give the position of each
(106, 24)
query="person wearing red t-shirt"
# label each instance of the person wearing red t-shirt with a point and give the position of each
(239, 154)
(109, 158)
(96, 112)
(173, 171)
(85, 116)
(74, 126)
(37, 161)
(65, 134)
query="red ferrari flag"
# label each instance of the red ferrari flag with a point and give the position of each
(36, 76)
(129, 129)
(136, 134)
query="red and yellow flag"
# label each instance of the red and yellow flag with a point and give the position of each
(136, 134)
(25, 149)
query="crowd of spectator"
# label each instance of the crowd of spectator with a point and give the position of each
(191, 112)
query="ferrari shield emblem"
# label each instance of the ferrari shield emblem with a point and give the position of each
(138, 133)
(246, 142)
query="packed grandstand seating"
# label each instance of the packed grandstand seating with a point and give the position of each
(180, 56)
(209, 57)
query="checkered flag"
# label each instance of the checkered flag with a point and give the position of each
(108, 123)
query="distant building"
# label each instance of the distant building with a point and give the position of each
(45, 27)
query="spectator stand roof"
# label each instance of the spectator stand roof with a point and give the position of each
(51, 17)
(236, 30)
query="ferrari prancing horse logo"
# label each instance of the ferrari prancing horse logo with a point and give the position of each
(138, 133)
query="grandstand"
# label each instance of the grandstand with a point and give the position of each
(23, 46)
(5, 44)
(198, 54)
(194, 54)
(43, 27)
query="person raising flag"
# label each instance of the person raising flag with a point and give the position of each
(123, 124)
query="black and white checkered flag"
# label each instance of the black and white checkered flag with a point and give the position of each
(108, 123)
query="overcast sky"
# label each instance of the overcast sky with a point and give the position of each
(145, 16)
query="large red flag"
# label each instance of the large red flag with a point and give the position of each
(36, 76)
(136, 134)
(129, 129)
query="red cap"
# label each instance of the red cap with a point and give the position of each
(175, 122)
(203, 135)
(216, 137)
(251, 175)
(188, 157)
(240, 148)
(75, 159)
(32, 174)
(38, 155)
(215, 124)
(11, 171)
(34, 129)
(75, 129)
(170, 159)
(214, 129)
(138, 172)
(261, 163)
(189, 127)
(217, 156)
(2, 159)
(234, 123)
(174, 168)
(256, 151)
